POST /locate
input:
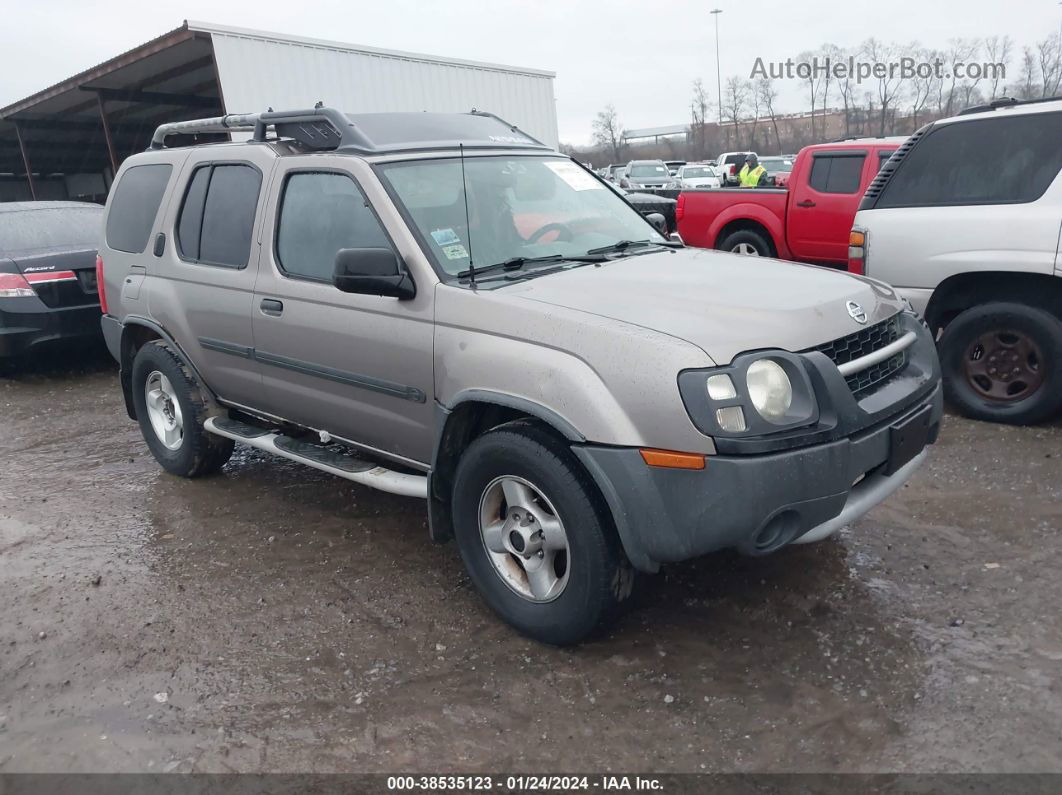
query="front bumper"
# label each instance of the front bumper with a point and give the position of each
(761, 493)
(753, 503)
(25, 322)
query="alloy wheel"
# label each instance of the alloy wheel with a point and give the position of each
(524, 538)
(164, 410)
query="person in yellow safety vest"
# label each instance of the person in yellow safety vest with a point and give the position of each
(752, 174)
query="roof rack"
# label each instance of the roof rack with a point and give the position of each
(318, 128)
(322, 128)
(1005, 102)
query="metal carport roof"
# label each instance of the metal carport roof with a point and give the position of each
(68, 140)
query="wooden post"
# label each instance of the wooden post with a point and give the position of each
(107, 134)
(26, 162)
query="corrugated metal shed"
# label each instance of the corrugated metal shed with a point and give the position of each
(67, 140)
(259, 70)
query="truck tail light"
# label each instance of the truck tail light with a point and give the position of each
(100, 288)
(14, 285)
(680, 207)
(857, 250)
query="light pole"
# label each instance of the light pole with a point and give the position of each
(718, 77)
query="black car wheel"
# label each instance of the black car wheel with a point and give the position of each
(1002, 362)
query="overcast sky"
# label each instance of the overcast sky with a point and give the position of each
(640, 55)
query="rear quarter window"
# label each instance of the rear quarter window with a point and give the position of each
(999, 160)
(216, 221)
(839, 173)
(134, 205)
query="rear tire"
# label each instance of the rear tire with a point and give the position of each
(595, 578)
(747, 242)
(1002, 362)
(173, 424)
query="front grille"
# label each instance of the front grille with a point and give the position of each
(864, 342)
(865, 381)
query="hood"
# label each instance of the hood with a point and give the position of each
(695, 182)
(649, 198)
(723, 303)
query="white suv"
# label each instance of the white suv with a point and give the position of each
(974, 246)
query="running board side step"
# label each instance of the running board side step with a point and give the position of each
(351, 468)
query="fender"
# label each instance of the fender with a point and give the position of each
(547, 415)
(125, 369)
(750, 211)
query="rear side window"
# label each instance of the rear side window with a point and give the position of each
(134, 205)
(216, 221)
(1001, 160)
(836, 173)
(321, 213)
(883, 158)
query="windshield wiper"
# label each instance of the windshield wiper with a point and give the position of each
(516, 263)
(511, 264)
(621, 245)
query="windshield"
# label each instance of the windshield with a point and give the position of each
(776, 164)
(699, 171)
(519, 207)
(649, 170)
(29, 230)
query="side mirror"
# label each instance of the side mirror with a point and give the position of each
(658, 221)
(372, 271)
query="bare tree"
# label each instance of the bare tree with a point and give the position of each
(949, 93)
(812, 81)
(1027, 85)
(830, 54)
(997, 52)
(846, 86)
(890, 83)
(755, 102)
(699, 114)
(735, 99)
(923, 86)
(768, 95)
(967, 93)
(608, 132)
(1049, 57)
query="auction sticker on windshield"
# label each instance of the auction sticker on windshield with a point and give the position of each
(445, 237)
(575, 177)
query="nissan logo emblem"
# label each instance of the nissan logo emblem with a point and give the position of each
(857, 313)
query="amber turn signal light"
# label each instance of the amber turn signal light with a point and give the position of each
(672, 460)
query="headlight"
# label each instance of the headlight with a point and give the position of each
(770, 389)
(757, 394)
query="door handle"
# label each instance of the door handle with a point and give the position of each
(271, 306)
(806, 203)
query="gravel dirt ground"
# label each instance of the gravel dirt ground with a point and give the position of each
(277, 619)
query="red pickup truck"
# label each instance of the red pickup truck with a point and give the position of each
(808, 221)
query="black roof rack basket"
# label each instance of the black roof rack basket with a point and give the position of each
(327, 129)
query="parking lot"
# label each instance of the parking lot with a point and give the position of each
(275, 618)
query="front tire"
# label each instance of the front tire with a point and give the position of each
(747, 242)
(171, 410)
(535, 535)
(1002, 362)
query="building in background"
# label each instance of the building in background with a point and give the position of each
(67, 141)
